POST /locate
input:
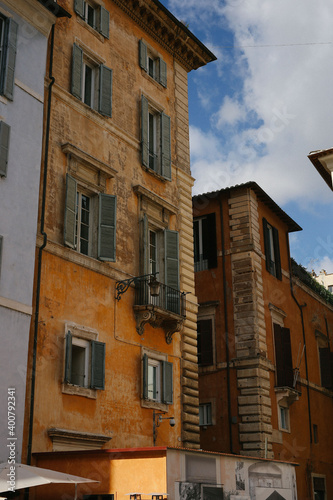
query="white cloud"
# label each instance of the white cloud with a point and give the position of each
(230, 113)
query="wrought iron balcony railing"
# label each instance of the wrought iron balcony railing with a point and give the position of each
(168, 299)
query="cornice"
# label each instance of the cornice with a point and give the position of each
(170, 33)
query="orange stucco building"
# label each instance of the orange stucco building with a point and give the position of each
(264, 338)
(108, 356)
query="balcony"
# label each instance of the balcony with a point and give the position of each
(166, 310)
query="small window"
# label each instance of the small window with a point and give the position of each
(157, 380)
(284, 418)
(205, 414)
(90, 222)
(84, 362)
(8, 42)
(272, 250)
(91, 82)
(96, 16)
(155, 140)
(319, 487)
(152, 64)
(205, 250)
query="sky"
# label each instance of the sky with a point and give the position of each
(264, 105)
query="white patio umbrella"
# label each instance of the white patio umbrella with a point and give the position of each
(26, 476)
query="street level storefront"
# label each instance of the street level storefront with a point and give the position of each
(172, 473)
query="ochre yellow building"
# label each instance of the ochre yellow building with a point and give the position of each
(115, 204)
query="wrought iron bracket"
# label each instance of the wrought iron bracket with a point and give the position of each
(123, 286)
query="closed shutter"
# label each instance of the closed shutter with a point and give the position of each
(283, 357)
(68, 358)
(267, 246)
(167, 396)
(277, 259)
(163, 73)
(325, 367)
(104, 22)
(105, 90)
(143, 55)
(4, 148)
(145, 377)
(144, 131)
(209, 240)
(166, 146)
(79, 7)
(10, 56)
(205, 342)
(144, 245)
(70, 212)
(97, 365)
(171, 258)
(77, 68)
(107, 227)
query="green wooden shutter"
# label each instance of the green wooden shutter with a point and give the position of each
(209, 240)
(77, 69)
(143, 55)
(277, 258)
(4, 148)
(144, 245)
(79, 7)
(70, 212)
(162, 72)
(68, 358)
(171, 245)
(105, 90)
(145, 376)
(166, 146)
(97, 365)
(10, 56)
(107, 227)
(267, 246)
(144, 131)
(104, 22)
(167, 386)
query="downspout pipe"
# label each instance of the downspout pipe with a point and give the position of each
(300, 306)
(40, 254)
(226, 325)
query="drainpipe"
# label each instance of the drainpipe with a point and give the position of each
(41, 248)
(226, 325)
(300, 306)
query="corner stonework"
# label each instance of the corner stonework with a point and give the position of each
(254, 402)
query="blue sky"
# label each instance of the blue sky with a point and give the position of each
(258, 111)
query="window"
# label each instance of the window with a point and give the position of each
(315, 433)
(283, 357)
(272, 250)
(8, 41)
(319, 487)
(152, 64)
(90, 222)
(95, 16)
(84, 362)
(91, 82)
(205, 414)
(4, 148)
(157, 380)
(205, 342)
(205, 251)
(155, 140)
(283, 418)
